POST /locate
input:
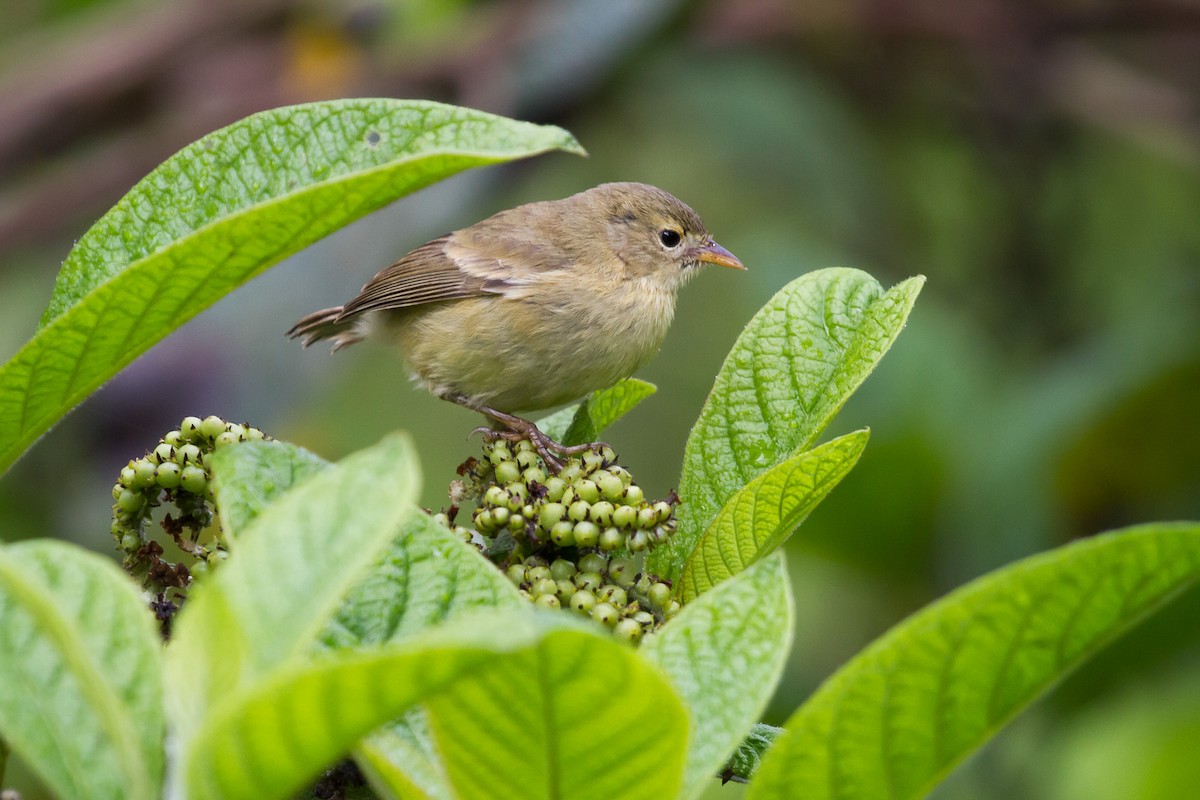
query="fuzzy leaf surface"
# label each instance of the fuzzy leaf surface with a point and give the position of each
(791, 370)
(899, 716)
(219, 212)
(580, 716)
(80, 673)
(724, 654)
(761, 515)
(288, 577)
(584, 422)
(249, 475)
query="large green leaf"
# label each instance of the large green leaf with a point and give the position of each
(763, 513)
(248, 476)
(268, 738)
(80, 673)
(288, 576)
(584, 422)
(899, 716)
(580, 716)
(724, 654)
(221, 211)
(794, 366)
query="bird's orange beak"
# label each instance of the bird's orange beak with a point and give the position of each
(713, 253)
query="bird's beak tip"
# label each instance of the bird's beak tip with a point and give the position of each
(713, 253)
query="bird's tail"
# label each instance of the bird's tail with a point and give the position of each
(326, 324)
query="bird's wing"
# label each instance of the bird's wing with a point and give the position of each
(500, 259)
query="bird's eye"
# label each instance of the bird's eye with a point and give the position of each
(670, 237)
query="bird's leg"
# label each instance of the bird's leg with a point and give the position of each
(521, 428)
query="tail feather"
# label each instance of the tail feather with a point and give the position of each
(326, 324)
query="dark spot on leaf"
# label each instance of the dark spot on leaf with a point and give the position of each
(373, 138)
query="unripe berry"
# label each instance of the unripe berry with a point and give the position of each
(544, 586)
(516, 523)
(516, 493)
(593, 562)
(610, 593)
(507, 472)
(565, 590)
(516, 573)
(225, 439)
(672, 609)
(663, 510)
(254, 435)
(601, 513)
(212, 427)
(622, 571)
(554, 488)
(561, 569)
(523, 446)
(570, 471)
(538, 573)
(592, 460)
(633, 495)
(643, 618)
(173, 438)
(606, 614)
(659, 595)
(164, 453)
(589, 580)
(624, 516)
(547, 601)
(582, 601)
(534, 475)
(237, 430)
(563, 533)
(499, 453)
(131, 542)
(550, 514)
(611, 539)
(189, 429)
(193, 479)
(647, 517)
(167, 475)
(127, 475)
(578, 511)
(527, 458)
(587, 490)
(610, 485)
(638, 541)
(495, 496)
(621, 474)
(628, 630)
(130, 501)
(187, 454)
(587, 533)
(143, 474)
(500, 516)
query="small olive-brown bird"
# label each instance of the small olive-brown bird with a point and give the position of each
(535, 306)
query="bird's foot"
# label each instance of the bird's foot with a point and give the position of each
(550, 451)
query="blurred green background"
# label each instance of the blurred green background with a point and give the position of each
(1039, 162)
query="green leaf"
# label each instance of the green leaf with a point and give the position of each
(399, 760)
(580, 716)
(248, 476)
(745, 760)
(268, 738)
(425, 577)
(724, 654)
(899, 716)
(219, 212)
(584, 422)
(80, 673)
(288, 576)
(760, 517)
(792, 369)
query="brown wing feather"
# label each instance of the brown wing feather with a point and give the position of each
(425, 275)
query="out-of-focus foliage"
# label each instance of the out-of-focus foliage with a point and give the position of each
(1039, 164)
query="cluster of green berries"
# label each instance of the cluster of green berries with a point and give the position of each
(570, 539)
(590, 503)
(610, 589)
(176, 470)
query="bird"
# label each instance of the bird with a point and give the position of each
(535, 306)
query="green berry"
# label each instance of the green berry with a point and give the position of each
(130, 501)
(164, 453)
(628, 630)
(143, 474)
(516, 493)
(602, 513)
(198, 569)
(500, 516)
(563, 533)
(254, 435)
(167, 474)
(592, 460)
(187, 454)
(663, 510)
(587, 490)
(225, 439)
(544, 586)
(624, 516)
(516, 523)
(643, 618)
(523, 446)
(633, 495)
(131, 542)
(193, 479)
(565, 590)
(672, 609)
(127, 475)
(660, 533)
(659, 595)
(212, 427)
(539, 573)
(578, 511)
(534, 475)
(495, 496)
(547, 601)
(611, 539)
(638, 541)
(237, 430)
(586, 533)
(507, 472)
(116, 491)
(647, 517)
(621, 474)
(606, 614)
(516, 573)
(622, 571)
(570, 471)
(590, 581)
(189, 429)
(554, 488)
(441, 519)
(582, 601)
(527, 458)
(536, 561)
(499, 452)
(173, 438)
(484, 522)
(593, 562)
(610, 593)
(561, 569)
(610, 485)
